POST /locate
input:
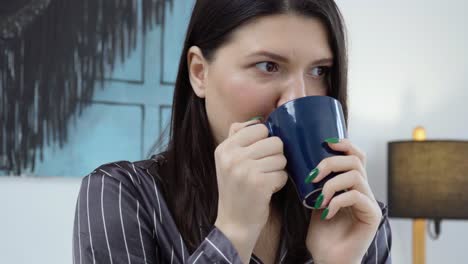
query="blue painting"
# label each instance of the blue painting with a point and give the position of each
(127, 116)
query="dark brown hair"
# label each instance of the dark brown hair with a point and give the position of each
(191, 188)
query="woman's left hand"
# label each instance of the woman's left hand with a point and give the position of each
(342, 231)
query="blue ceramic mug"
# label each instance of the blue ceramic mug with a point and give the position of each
(303, 124)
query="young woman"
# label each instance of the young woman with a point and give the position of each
(219, 193)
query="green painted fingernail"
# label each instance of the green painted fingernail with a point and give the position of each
(319, 201)
(332, 140)
(255, 118)
(312, 175)
(324, 214)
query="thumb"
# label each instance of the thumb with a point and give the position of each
(235, 127)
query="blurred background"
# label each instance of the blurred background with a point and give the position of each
(408, 67)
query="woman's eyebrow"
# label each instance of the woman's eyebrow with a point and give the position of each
(272, 55)
(324, 61)
(283, 59)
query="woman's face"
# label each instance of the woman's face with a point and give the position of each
(265, 63)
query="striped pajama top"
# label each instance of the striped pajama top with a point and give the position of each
(121, 217)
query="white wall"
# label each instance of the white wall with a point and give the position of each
(408, 67)
(36, 219)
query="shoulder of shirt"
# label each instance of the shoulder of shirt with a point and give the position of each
(384, 209)
(130, 173)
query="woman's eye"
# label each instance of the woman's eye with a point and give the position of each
(320, 71)
(267, 66)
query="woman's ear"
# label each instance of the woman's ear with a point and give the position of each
(198, 69)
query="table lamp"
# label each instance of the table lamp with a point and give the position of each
(427, 179)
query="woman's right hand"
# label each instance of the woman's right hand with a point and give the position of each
(249, 168)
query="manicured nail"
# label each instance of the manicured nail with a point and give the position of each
(312, 175)
(324, 214)
(319, 201)
(255, 118)
(332, 140)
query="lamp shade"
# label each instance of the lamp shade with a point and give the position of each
(428, 179)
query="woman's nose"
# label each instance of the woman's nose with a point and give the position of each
(294, 89)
